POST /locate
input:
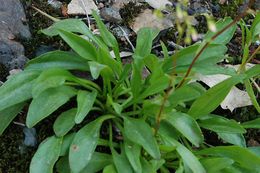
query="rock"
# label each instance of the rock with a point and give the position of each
(55, 4)
(161, 4)
(148, 19)
(83, 7)
(12, 26)
(30, 137)
(117, 31)
(12, 18)
(111, 14)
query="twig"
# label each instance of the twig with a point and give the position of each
(85, 9)
(127, 38)
(45, 14)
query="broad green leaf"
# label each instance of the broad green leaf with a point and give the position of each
(183, 58)
(255, 28)
(216, 164)
(104, 57)
(183, 94)
(8, 114)
(145, 37)
(107, 36)
(136, 80)
(255, 150)
(226, 36)
(64, 123)
(139, 132)
(85, 101)
(47, 102)
(96, 69)
(220, 124)
(50, 78)
(157, 164)
(250, 91)
(80, 45)
(71, 25)
(97, 162)
(254, 124)
(212, 98)
(46, 156)
(253, 71)
(121, 163)
(17, 89)
(58, 59)
(242, 156)
(147, 167)
(62, 165)
(133, 152)
(67, 139)
(187, 156)
(186, 125)
(109, 169)
(84, 145)
(233, 138)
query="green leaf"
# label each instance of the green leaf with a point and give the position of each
(133, 152)
(242, 156)
(183, 94)
(84, 145)
(253, 71)
(212, 98)
(97, 162)
(183, 58)
(233, 138)
(220, 124)
(50, 78)
(67, 139)
(109, 169)
(186, 125)
(226, 36)
(64, 123)
(62, 165)
(80, 45)
(255, 150)
(107, 36)
(17, 89)
(139, 132)
(85, 102)
(255, 28)
(250, 91)
(58, 59)
(47, 102)
(136, 81)
(254, 124)
(144, 41)
(8, 114)
(96, 69)
(121, 163)
(216, 164)
(187, 156)
(46, 156)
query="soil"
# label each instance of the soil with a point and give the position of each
(15, 158)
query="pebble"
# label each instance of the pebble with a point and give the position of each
(55, 4)
(111, 14)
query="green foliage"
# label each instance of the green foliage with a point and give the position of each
(147, 123)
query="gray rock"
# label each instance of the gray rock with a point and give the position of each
(12, 26)
(121, 31)
(111, 14)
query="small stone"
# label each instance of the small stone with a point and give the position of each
(83, 7)
(101, 5)
(55, 4)
(111, 14)
(11, 36)
(121, 31)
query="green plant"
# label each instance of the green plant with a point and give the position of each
(149, 123)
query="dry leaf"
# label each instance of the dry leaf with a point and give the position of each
(121, 3)
(148, 19)
(83, 7)
(158, 4)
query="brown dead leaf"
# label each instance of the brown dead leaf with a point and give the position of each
(83, 7)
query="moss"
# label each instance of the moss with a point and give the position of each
(131, 11)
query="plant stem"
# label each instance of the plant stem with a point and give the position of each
(169, 90)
